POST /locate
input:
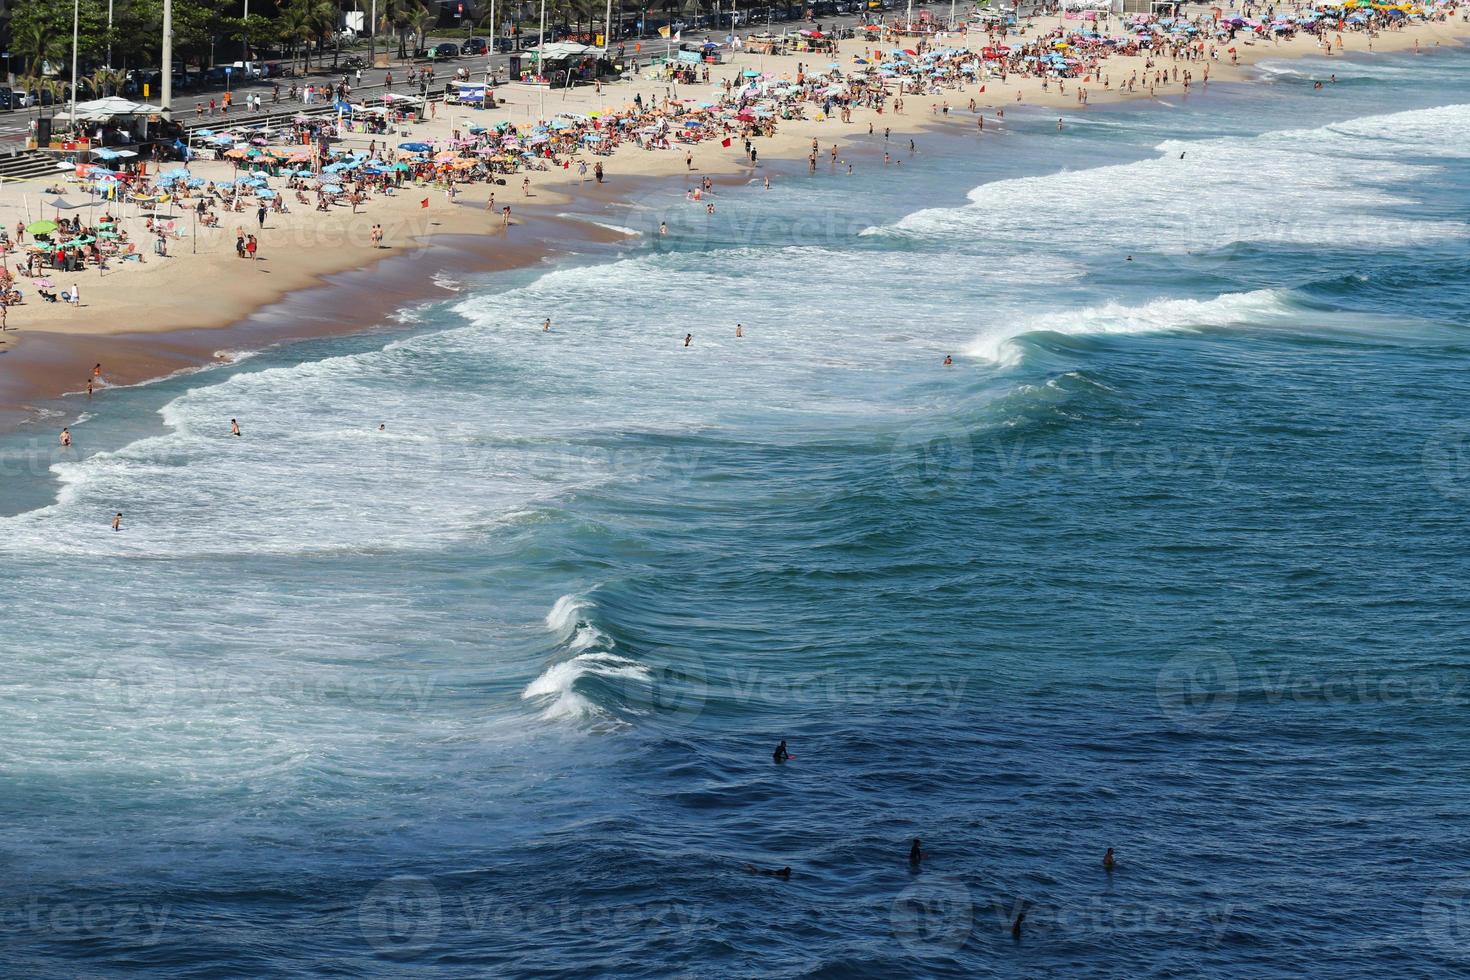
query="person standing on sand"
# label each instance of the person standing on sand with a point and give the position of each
(250, 246)
(260, 215)
(505, 217)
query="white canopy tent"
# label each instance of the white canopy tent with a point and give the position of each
(559, 50)
(109, 107)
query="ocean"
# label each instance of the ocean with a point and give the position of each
(1171, 559)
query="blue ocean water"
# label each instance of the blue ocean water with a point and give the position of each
(1171, 560)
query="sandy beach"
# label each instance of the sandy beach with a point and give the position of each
(144, 320)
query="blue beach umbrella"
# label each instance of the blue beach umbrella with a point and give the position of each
(414, 147)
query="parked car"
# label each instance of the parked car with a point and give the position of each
(247, 70)
(474, 46)
(505, 45)
(446, 50)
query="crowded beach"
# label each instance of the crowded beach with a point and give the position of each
(259, 212)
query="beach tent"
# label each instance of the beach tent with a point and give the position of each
(112, 106)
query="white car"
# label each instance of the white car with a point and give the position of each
(248, 69)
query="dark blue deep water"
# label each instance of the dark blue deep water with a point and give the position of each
(1171, 560)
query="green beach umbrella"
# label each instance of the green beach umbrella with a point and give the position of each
(41, 227)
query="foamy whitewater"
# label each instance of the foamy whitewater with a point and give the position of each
(1171, 560)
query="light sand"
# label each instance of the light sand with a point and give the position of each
(204, 285)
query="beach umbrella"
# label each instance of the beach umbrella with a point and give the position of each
(41, 227)
(265, 193)
(414, 147)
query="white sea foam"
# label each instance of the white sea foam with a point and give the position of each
(591, 655)
(1258, 308)
(620, 229)
(1340, 184)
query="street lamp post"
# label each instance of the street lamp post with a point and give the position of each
(168, 57)
(373, 35)
(76, 13)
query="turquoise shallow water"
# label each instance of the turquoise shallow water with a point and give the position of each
(1171, 560)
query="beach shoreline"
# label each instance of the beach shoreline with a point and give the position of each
(322, 275)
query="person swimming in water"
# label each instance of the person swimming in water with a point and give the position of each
(948, 360)
(688, 339)
(1109, 860)
(234, 427)
(65, 438)
(781, 755)
(916, 853)
(1016, 925)
(117, 521)
(784, 873)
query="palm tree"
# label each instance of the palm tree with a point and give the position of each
(296, 30)
(397, 15)
(323, 17)
(104, 82)
(423, 20)
(37, 46)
